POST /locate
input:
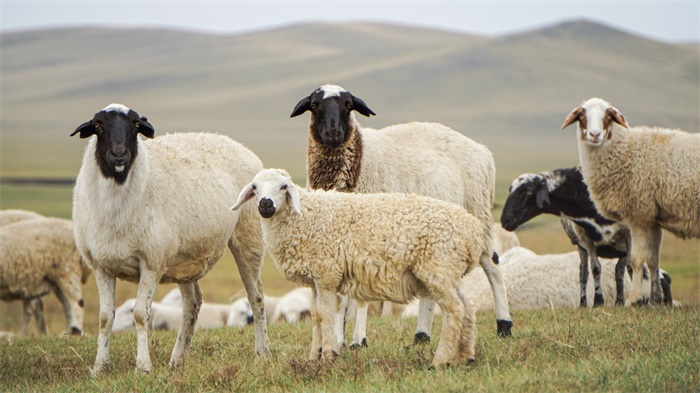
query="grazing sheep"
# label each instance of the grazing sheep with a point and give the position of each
(542, 281)
(371, 247)
(37, 256)
(156, 211)
(423, 158)
(563, 193)
(646, 178)
(168, 316)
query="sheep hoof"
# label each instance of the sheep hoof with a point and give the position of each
(75, 331)
(329, 356)
(598, 301)
(363, 343)
(421, 338)
(641, 302)
(470, 361)
(620, 302)
(503, 328)
(583, 303)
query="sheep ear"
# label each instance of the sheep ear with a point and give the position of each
(301, 107)
(145, 128)
(86, 129)
(246, 194)
(573, 116)
(542, 196)
(361, 107)
(616, 116)
(295, 201)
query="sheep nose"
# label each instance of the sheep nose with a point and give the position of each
(250, 319)
(119, 153)
(594, 133)
(266, 203)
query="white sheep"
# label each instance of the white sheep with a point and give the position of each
(646, 178)
(371, 247)
(503, 240)
(423, 158)
(168, 316)
(291, 307)
(543, 281)
(11, 216)
(156, 211)
(38, 255)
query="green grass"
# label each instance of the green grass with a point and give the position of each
(613, 349)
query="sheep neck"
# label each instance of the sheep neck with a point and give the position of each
(335, 168)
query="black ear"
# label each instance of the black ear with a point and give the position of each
(542, 196)
(86, 129)
(302, 106)
(361, 107)
(145, 128)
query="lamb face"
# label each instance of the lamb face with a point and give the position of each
(526, 199)
(273, 190)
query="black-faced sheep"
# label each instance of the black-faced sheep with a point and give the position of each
(385, 246)
(646, 178)
(156, 211)
(423, 158)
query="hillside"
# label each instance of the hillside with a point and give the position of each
(510, 92)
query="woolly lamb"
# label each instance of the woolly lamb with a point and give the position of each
(165, 316)
(646, 178)
(372, 247)
(423, 158)
(156, 211)
(563, 193)
(37, 256)
(291, 307)
(541, 281)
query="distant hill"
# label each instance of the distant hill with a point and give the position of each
(510, 92)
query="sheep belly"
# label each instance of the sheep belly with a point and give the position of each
(371, 287)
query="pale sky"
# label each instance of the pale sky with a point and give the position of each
(671, 21)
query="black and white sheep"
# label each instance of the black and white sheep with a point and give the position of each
(424, 158)
(37, 256)
(646, 178)
(384, 246)
(563, 193)
(156, 211)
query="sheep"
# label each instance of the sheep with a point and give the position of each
(11, 216)
(563, 193)
(155, 211)
(291, 307)
(424, 158)
(385, 246)
(646, 178)
(168, 316)
(39, 255)
(504, 240)
(541, 281)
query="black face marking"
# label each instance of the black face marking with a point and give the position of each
(521, 204)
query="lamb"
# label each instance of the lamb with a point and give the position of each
(156, 211)
(646, 178)
(563, 193)
(39, 255)
(424, 158)
(541, 281)
(165, 316)
(291, 307)
(383, 246)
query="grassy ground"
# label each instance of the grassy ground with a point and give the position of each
(613, 349)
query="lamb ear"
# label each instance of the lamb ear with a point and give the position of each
(295, 201)
(573, 116)
(86, 129)
(246, 194)
(361, 107)
(301, 107)
(145, 128)
(542, 196)
(616, 116)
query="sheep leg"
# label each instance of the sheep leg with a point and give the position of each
(453, 315)
(583, 276)
(148, 282)
(359, 336)
(105, 290)
(341, 319)
(69, 293)
(38, 306)
(500, 295)
(29, 308)
(327, 309)
(646, 243)
(467, 337)
(598, 299)
(191, 304)
(620, 267)
(249, 261)
(426, 314)
(316, 327)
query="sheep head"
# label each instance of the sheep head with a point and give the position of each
(331, 106)
(273, 190)
(116, 127)
(595, 120)
(527, 195)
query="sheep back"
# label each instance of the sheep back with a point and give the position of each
(645, 176)
(10, 216)
(172, 210)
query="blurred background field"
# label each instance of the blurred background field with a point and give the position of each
(510, 93)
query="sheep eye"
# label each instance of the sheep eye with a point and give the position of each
(348, 105)
(529, 192)
(253, 187)
(96, 125)
(137, 124)
(284, 187)
(314, 106)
